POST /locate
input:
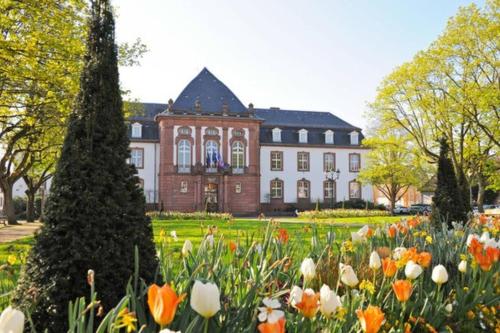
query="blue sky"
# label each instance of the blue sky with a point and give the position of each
(302, 55)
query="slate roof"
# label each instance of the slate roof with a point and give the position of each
(315, 136)
(210, 92)
(303, 119)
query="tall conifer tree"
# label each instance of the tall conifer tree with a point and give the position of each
(96, 211)
(447, 202)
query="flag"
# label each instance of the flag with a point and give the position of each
(221, 162)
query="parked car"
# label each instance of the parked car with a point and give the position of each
(420, 209)
(401, 210)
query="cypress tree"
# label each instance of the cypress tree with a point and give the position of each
(447, 201)
(96, 210)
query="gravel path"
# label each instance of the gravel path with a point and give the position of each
(13, 232)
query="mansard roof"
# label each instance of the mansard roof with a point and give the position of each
(211, 94)
(307, 119)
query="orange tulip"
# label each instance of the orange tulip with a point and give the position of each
(369, 233)
(413, 222)
(389, 267)
(283, 236)
(493, 253)
(402, 290)
(424, 259)
(475, 246)
(483, 219)
(392, 231)
(371, 319)
(410, 254)
(232, 246)
(484, 261)
(163, 303)
(277, 327)
(309, 304)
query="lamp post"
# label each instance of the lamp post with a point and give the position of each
(331, 176)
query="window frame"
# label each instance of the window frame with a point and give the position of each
(329, 134)
(360, 190)
(351, 169)
(307, 160)
(206, 152)
(333, 190)
(276, 134)
(307, 187)
(241, 155)
(303, 136)
(136, 127)
(132, 149)
(280, 154)
(184, 168)
(281, 188)
(325, 169)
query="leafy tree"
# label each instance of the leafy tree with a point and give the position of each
(96, 211)
(447, 201)
(392, 166)
(450, 90)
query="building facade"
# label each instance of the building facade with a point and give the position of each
(207, 151)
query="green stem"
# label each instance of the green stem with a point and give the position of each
(206, 326)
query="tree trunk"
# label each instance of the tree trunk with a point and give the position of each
(480, 194)
(30, 206)
(8, 204)
(393, 202)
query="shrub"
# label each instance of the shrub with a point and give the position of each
(337, 213)
(358, 204)
(172, 215)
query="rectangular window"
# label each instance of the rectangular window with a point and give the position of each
(276, 189)
(303, 189)
(184, 186)
(276, 135)
(354, 162)
(137, 157)
(329, 190)
(354, 190)
(328, 162)
(136, 131)
(237, 188)
(302, 161)
(276, 161)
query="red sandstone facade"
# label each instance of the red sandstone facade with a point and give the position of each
(191, 191)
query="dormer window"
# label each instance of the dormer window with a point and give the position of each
(329, 137)
(276, 135)
(354, 138)
(303, 136)
(136, 130)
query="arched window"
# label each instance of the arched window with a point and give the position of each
(184, 156)
(238, 157)
(212, 154)
(303, 189)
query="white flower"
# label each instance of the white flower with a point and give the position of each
(11, 321)
(258, 247)
(462, 266)
(347, 275)
(173, 234)
(166, 330)
(491, 242)
(484, 237)
(357, 238)
(398, 252)
(363, 231)
(269, 312)
(412, 270)
(375, 262)
(187, 248)
(205, 298)
(210, 240)
(296, 295)
(329, 301)
(471, 237)
(448, 307)
(439, 274)
(308, 269)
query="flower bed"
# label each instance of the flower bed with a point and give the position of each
(338, 213)
(171, 215)
(406, 277)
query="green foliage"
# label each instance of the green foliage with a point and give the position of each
(334, 213)
(96, 211)
(447, 200)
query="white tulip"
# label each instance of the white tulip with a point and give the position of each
(347, 276)
(412, 270)
(484, 237)
(296, 295)
(258, 248)
(439, 274)
(357, 238)
(210, 240)
(471, 237)
(449, 307)
(187, 248)
(462, 266)
(363, 231)
(491, 243)
(205, 298)
(173, 234)
(375, 262)
(329, 301)
(11, 321)
(308, 269)
(398, 252)
(166, 330)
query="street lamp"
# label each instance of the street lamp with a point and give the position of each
(331, 176)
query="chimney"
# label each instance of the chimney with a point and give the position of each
(170, 105)
(274, 108)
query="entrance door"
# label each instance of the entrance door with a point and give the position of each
(211, 202)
